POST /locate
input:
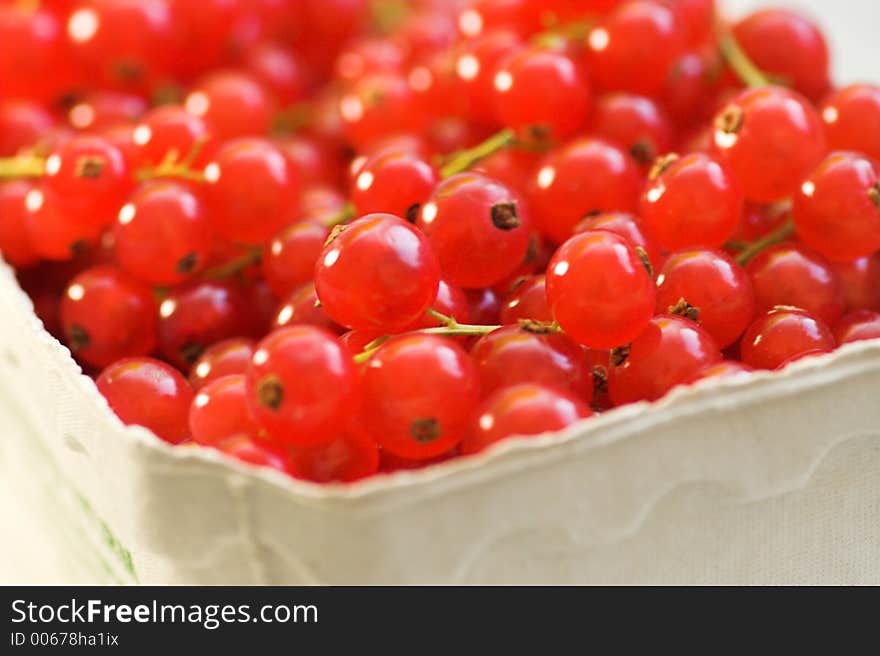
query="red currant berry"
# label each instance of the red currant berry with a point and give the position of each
(628, 226)
(690, 93)
(33, 59)
(259, 453)
(107, 316)
(512, 355)
(226, 358)
(348, 458)
(475, 67)
(696, 18)
(302, 308)
(170, 128)
(419, 392)
(522, 410)
(857, 327)
(861, 283)
(368, 56)
(289, 260)
(478, 227)
(148, 393)
(725, 369)
(837, 208)
(527, 300)
(635, 123)
(162, 235)
(584, 177)
(90, 178)
(484, 306)
(714, 287)
(378, 274)
(451, 301)
(599, 290)
(281, 70)
(101, 110)
(250, 189)
(52, 232)
(787, 46)
(197, 315)
(771, 138)
(376, 106)
(15, 246)
(220, 411)
(670, 352)
(790, 275)
(302, 386)
(232, 104)
(690, 202)
(22, 125)
(126, 42)
(783, 335)
(393, 181)
(852, 119)
(541, 91)
(635, 47)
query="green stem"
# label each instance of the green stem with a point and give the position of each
(344, 215)
(446, 320)
(464, 160)
(233, 267)
(170, 167)
(456, 330)
(739, 61)
(22, 166)
(776, 237)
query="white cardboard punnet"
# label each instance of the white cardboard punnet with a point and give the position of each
(772, 479)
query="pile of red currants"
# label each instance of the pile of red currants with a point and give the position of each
(342, 237)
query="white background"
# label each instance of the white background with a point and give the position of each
(851, 27)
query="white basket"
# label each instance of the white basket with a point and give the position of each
(773, 479)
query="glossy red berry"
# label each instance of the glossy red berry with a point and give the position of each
(790, 275)
(348, 458)
(289, 258)
(584, 177)
(106, 316)
(52, 232)
(851, 117)
(162, 236)
(419, 392)
(281, 70)
(475, 68)
(251, 188)
(197, 315)
(783, 335)
(716, 291)
(514, 354)
(525, 409)
(257, 452)
(451, 301)
(670, 352)
(633, 122)
(630, 227)
(226, 358)
(484, 306)
(527, 300)
(220, 412)
(634, 48)
(170, 128)
(543, 92)
(148, 393)
(837, 208)
(378, 274)
(599, 290)
(378, 105)
(302, 308)
(395, 182)
(232, 104)
(857, 327)
(302, 386)
(770, 138)
(90, 178)
(15, 245)
(725, 369)
(478, 227)
(691, 202)
(22, 124)
(33, 60)
(786, 45)
(861, 283)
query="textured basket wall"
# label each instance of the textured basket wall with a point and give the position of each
(771, 480)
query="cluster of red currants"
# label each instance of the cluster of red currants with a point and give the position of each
(337, 237)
